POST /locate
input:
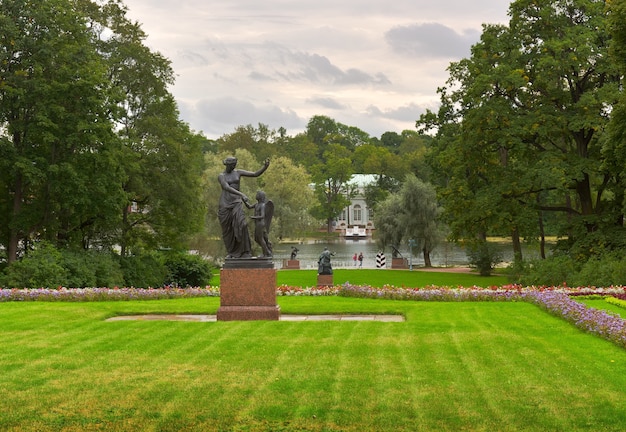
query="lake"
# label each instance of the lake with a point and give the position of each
(446, 255)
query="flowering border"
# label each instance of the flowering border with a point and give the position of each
(104, 294)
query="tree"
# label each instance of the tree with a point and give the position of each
(410, 214)
(389, 168)
(331, 176)
(60, 176)
(258, 141)
(88, 129)
(521, 123)
(161, 156)
(288, 185)
(614, 148)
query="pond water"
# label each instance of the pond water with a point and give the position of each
(446, 255)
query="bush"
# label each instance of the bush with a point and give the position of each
(483, 256)
(604, 271)
(40, 268)
(143, 271)
(186, 270)
(92, 269)
(553, 271)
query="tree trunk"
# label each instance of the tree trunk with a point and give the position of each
(14, 238)
(427, 262)
(517, 245)
(329, 225)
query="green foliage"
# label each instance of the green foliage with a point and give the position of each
(604, 271)
(92, 269)
(483, 256)
(40, 268)
(85, 107)
(554, 271)
(46, 266)
(185, 270)
(600, 271)
(411, 213)
(144, 270)
(521, 127)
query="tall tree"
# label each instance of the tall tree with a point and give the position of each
(88, 128)
(331, 178)
(521, 122)
(288, 186)
(59, 171)
(615, 145)
(410, 214)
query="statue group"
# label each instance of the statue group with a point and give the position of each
(232, 216)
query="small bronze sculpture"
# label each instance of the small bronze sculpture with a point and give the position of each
(263, 212)
(231, 213)
(294, 252)
(323, 263)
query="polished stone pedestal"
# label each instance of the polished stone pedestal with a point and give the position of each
(324, 280)
(248, 291)
(291, 264)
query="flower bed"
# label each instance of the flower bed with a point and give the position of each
(104, 294)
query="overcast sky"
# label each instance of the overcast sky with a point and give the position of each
(373, 64)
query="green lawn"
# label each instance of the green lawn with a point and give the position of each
(450, 366)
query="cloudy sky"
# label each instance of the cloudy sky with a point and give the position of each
(373, 64)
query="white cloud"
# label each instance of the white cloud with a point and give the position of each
(372, 64)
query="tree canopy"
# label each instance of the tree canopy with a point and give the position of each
(521, 128)
(87, 130)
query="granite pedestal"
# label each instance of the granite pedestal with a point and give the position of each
(324, 280)
(291, 264)
(248, 290)
(399, 263)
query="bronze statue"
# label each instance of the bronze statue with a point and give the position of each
(231, 214)
(323, 263)
(294, 252)
(263, 212)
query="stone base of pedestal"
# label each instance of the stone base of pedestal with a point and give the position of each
(248, 294)
(399, 263)
(248, 313)
(291, 264)
(324, 280)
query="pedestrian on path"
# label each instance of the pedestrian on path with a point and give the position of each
(361, 260)
(354, 259)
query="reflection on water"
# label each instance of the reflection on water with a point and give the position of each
(446, 255)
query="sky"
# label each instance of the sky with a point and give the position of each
(373, 64)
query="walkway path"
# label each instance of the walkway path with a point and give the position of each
(283, 317)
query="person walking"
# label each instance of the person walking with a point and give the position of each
(354, 259)
(361, 260)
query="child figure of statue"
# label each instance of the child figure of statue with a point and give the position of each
(263, 213)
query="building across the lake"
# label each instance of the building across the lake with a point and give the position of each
(356, 220)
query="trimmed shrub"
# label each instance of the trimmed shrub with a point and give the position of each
(143, 271)
(92, 269)
(552, 271)
(185, 270)
(604, 271)
(40, 268)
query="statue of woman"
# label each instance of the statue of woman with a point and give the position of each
(231, 213)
